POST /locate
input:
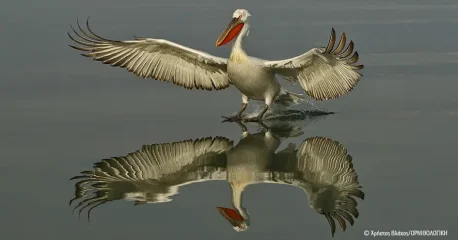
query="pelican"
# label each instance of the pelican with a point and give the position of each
(321, 167)
(323, 73)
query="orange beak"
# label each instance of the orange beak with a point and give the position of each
(232, 30)
(231, 215)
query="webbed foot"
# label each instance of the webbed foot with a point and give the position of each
(235, 118)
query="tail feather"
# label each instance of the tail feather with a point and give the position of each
(286, 98)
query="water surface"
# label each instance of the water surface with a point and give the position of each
(61, 113)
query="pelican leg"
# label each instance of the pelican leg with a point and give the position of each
(260, 115)
(238, 117)
(244, 105)
(243, 127)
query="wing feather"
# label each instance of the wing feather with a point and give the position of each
(324, 73)
(157, 59)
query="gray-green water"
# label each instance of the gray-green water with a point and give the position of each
(60, 113)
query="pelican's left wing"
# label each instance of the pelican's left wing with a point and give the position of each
(152, 174)
(157, 59)
(324, 73)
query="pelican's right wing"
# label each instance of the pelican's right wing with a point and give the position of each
(157, 59)
(154, 173)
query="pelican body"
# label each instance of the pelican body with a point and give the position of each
(323, 73)
(246, 73)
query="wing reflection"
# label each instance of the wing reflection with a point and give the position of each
(152, 174)
(320, 166)
(324, 170)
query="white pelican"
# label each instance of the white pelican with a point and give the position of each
(321, 167)
(323, 73)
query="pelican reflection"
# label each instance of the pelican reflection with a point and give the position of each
(320, 166)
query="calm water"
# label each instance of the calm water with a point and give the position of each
(61, 113)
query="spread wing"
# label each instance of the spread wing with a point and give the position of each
(157, 59)
(324, 73)
(152, 174)
(323, 168)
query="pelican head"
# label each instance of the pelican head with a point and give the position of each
(239, 19)
(239, 219)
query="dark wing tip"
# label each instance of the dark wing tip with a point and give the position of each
(331, 42)
(353, 59)
(348, 51)
(331, 222)
(359, 67)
